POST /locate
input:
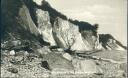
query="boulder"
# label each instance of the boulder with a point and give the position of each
(12, 70)
(45, 65)
(12, 53)
(86, 66)
(67, 56)
(43, 50)
(56, 61)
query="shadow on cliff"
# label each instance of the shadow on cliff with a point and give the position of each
(104, 38)
(11, 25)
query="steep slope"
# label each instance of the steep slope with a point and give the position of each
(67, 35)
(69, 29)
(44, 26)
(29, 20)
(41, 41)
(110, 43)
(17, 23)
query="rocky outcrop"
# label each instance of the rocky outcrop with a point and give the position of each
(67, 35)
(37, 21)
(44, 43)
(17, 23)
(17, 17)
(44, 26)
(110, 43)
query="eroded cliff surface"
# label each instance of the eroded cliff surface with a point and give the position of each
(41, 41)
(28, 19)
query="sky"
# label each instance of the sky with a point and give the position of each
(111, 15)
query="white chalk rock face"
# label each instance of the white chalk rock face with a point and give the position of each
(44, 26)
(97, 44)
(38, 2)
(67, 35)
(79, 44)
(90, 40)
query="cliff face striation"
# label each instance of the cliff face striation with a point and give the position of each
(38, 21)
(41, 41)
(110, 43)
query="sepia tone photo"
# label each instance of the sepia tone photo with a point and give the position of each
(63, 39)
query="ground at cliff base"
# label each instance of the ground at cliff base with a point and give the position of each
(56, 64)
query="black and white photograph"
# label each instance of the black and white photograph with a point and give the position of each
(63, 39)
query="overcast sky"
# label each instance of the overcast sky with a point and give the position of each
(111, 15)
